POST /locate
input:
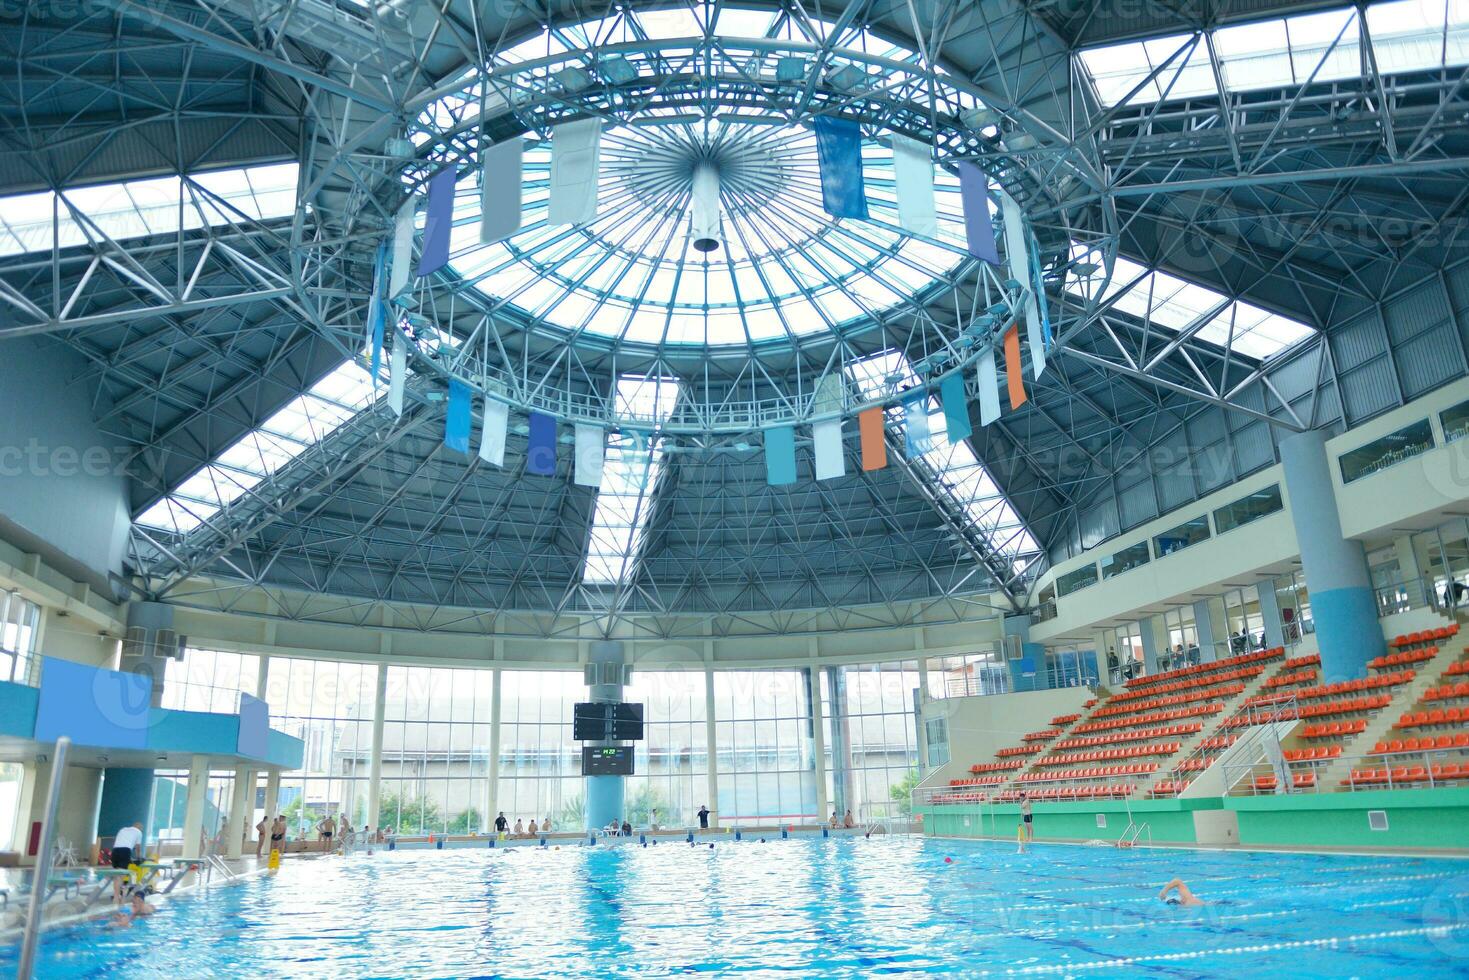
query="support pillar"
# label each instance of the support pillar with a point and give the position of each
(492, 775)
(605, 795)
(273, 793)
(198, 796)
(241, 810)
(711, 749)
(31, 806)
(1153, 644)
(1337, 577)
(920, 735)
(1270, 613)
(375, 760)
(1410, 571)
(262, 678)
(818, 742)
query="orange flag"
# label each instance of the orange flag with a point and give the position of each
(1012, 368)
(874, 448)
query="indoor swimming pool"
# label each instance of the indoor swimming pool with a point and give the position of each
(798, 908)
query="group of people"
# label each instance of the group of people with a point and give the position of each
(847, 821)
(502, 826)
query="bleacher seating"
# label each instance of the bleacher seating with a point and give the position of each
(1426, 637)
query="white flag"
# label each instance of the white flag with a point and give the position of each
(1017, 259)
(575, 155)
(492, 437)
(402, 247)
(590, 450)
(915, 424)
(831, 462)
(989, 388)
(397, 374)
(913, 172)
(499, 190)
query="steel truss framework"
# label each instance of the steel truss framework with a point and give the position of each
(1319, 201)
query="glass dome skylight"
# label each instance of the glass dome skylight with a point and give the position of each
(784, 269)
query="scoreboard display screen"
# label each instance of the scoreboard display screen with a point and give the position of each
(606, 760)
(607, 722)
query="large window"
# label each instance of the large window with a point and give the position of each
(1393, 448)
(968, 675)
(874, 737)
(766, 750)
(1125, 560)
(672, 760)
(540, 765)
(436, 750)
(1186, 534)
(209, 680)
(1076, 581)
(329, 706)
(19, 620)
(1261, 503)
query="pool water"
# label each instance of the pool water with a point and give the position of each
(829, 908)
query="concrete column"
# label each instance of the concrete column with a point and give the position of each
(492, 776)
(273, 793)
(711, 748)
(1270, 613)
(31, 806)
(198, 795)
(241, 810)
(1153, 643)
(839, 730)
(375, 760)
(818, 742)
(262, 678)
(142, 653)
(1411, 570)
(605, 795)
(1337, 577)
(1204, 627)
(920, 735)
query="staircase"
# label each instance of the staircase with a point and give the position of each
(1428, 674)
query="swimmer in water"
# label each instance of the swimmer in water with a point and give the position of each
(1185, 894)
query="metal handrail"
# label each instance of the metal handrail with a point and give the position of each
(1390, 761)
(31, 938)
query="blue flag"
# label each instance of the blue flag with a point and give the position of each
(456, 423)
(979, 227)
(839, 151)
(540, 457)
(439, 222)
(780, 455)
(956, 408)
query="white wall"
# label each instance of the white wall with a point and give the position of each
(978, 726)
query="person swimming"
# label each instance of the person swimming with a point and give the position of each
(1185, 895)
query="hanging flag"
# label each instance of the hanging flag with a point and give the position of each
(831, 462)
(915, 425)
(874, 448)
(978, 226)
(402, 246)
(1017, 261)
(492, 434)
(989, 388)
(913, 173)
(591, 447)
(375, 317)
(397, 374)
(456, 423)
(1040, 294)
(439, 222)
(540, 456)
(1012, 368)
(499, 190)
(839, 152)
(956, 408)
(780, 455)
(576, 151)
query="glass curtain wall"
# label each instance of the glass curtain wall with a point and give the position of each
(672, 761)
(329, 706)
(1183, 638)
(1244, 621)
(766, 747)
(967, 675)
(873, 737)
(209, 680)
(436, 751)
(540, 766)
(20, 620)
(1124, 645)
(1295, 607)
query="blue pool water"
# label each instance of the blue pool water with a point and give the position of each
(799, 908)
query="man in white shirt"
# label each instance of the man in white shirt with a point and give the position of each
(127, 848)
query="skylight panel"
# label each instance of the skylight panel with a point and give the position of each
(302, 423)
(630, 471)
(953, 466)
(149, 206)
(1167, 301)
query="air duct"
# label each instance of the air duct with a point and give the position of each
(706, 208)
